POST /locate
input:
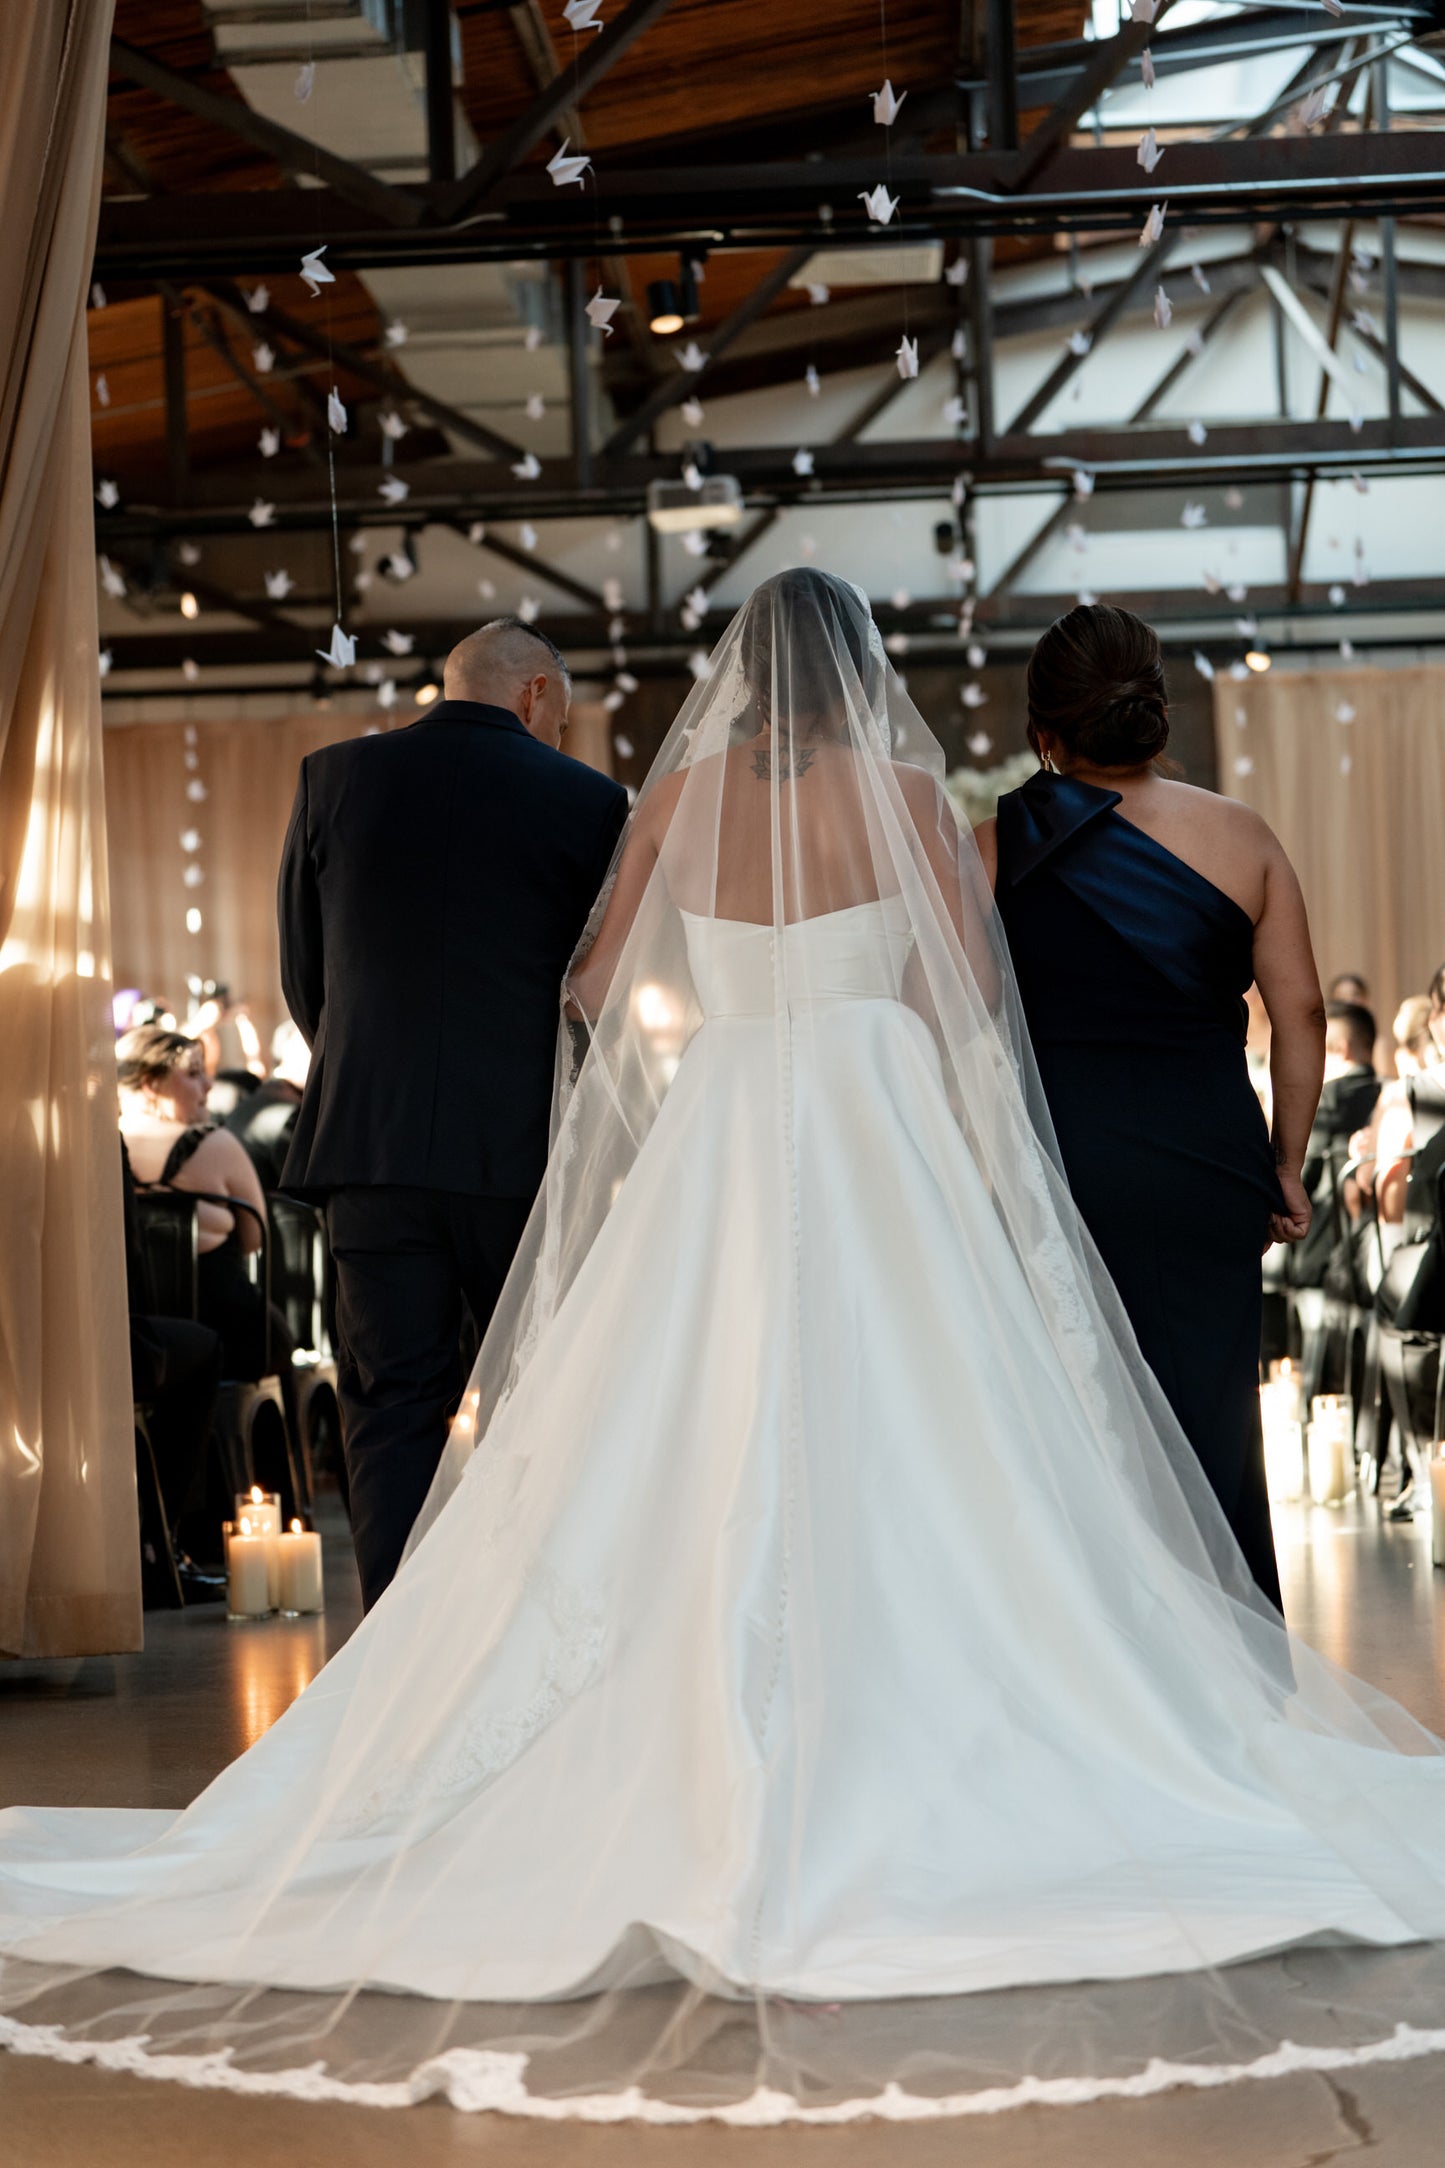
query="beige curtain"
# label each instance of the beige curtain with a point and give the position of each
(1348, 768)
(246, 768)
(69, 1556)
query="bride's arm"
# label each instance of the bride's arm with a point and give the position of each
(590, 978)
(952, 858)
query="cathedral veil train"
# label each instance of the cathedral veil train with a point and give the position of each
(822, 1683)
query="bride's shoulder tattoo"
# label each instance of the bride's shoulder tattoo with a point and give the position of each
(790, 764)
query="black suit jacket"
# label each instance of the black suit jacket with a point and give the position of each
(434, 884)
(1346, 1105)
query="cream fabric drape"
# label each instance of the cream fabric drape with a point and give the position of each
(69, 1555)
(247, 769)
(1348, 768)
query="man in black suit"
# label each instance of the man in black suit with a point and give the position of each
(1347, 1101)
(434, 883)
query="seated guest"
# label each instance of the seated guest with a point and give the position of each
(1414, 1046)
(1349, 986)
(175, 1370)
(1347, 1102)
(265, 1118)
(163, 1104)
(1385, 1144)
(231, 1046)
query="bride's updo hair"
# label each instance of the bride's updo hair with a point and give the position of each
(806, 634)
(1096, 685)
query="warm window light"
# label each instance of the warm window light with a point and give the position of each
(1256, 659)
(189, 605)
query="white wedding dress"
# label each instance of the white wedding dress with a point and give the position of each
(790, 1634)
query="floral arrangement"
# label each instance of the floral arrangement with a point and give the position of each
(976, 791)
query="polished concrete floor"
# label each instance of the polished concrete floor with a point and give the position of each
(150, 1730)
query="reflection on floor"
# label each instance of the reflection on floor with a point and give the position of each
(150, 1730)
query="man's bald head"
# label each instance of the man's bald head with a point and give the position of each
(511, 665)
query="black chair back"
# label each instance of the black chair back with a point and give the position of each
(298, 1270)
(170, 1232)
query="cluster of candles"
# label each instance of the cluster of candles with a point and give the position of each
(1315, 1460)
(269, 1568)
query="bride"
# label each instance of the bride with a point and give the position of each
(821, 1683)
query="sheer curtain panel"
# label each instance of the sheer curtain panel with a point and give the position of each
(69, 1556)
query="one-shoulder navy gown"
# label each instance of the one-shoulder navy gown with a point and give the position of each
(1133, 969)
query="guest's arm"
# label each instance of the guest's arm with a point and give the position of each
(242, 1182)
(298, 912)
(1284, 970)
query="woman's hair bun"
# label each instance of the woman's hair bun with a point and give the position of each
(1096, 685)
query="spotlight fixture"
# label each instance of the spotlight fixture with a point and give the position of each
(671, 303)
(1257, 658)
(673, 508)
(189, 605)
(664, 308)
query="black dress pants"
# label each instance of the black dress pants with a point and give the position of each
(176, 1367)
(405, 1261)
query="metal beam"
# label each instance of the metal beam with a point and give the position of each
(173, 368)
(213, 332)
(293, 153)
(441, 112)
(1326, 350)
(1002, 95)
(388, 379)
(930, 345)
(579, 370)
(1150, 264)
(467, 195)
(1109, 60)
(540, 567)
(1408, 379)
(1218, 316)
(672, 393)
(1183, 619)
(1082, 189)
(1020, 562)
(922, 469)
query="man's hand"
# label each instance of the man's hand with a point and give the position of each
(1293, 1224)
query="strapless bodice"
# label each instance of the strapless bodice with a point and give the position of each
(741, 969)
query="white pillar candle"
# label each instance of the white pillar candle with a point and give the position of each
(1285, 1376)
(263, 1510)
(300, 1561)
(248, 1577)
(1437, 1507)
(1284, 1461)
(1330, 1463)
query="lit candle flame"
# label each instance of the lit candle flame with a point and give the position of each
(258, 1496)
(296, 1528)
(245, 1528)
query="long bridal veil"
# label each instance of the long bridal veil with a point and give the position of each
(651, 1788)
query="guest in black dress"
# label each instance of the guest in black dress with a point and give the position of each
(1139, 912)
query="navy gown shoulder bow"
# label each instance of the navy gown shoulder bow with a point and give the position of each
(1132, 968)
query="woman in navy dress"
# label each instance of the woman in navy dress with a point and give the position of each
(1139, 911)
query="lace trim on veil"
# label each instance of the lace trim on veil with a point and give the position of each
(479, 2080)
